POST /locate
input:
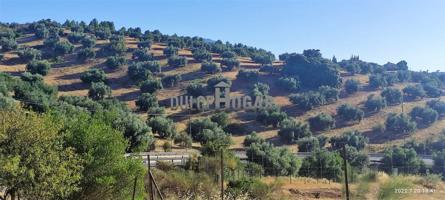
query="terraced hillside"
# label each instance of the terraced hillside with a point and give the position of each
(66, 72)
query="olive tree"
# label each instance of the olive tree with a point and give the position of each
(99, 91)
(38, 67)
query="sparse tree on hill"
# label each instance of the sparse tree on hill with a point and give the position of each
(115, 62)
(177, 61)
(146, 101)
(424, 115)
(38, 67)
(291, 130)
(29, 54)
(392, 96)
(375, 103)
(151, 85)
(350, 113)
(210, 67)
(414, 92)
(400, 123)
(86, 54)
(94, 75)
(322, 122)
(99, 91)
(352, 86)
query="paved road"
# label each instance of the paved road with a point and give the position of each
(180, 158)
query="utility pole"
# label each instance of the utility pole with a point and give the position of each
(134, 186)
(222, 174)
(346, 172)
(150, 184)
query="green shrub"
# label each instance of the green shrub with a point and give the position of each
(329, 94)
(230, 63)
(288, 83)
(115, 62)
(322, 164)
(210, 67)
(351, 138)
(142, 55)
(164, 127)
(61, 48)
(249, 75)
(146, 101)
(177, 61)
(375, 103)
(202, 55)
(170, 51)
(94, 75)
(276, 161)
(322, 122)
(424, 115)
(392, 96)
(400, 123)
(252, 138)
(172, 80)
(308, 100)
(38, 67)
(352, 86)
(88, 42)
(86, 54)
(350, 113)
(99, 91)
(151, 86)
(75, 37)
(414, 92)
(291, 131)
(438, 106)
(29, 54)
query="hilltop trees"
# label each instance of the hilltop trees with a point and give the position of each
(311, 69)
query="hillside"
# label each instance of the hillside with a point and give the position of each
(66, 73)
(76, 97)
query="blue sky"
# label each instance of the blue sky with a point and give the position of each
(376, 30)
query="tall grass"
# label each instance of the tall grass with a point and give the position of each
(388, 190)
